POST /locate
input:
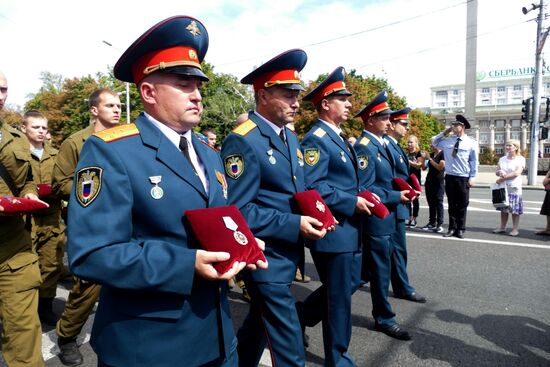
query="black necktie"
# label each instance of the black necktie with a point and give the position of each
(455, 149)
(282, 136)
(185, 149)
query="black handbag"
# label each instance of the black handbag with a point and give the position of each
(499, 195)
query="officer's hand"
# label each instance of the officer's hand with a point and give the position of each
(204, 268)
(363, 205)
(470, 183)
(418, 193)
(404, 198)
(35, 198)
(308, 230)
(259, 264)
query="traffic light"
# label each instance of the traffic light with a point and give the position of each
(543, 133)
(526, 109)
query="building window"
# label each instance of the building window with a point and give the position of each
(485, 101)
(455, 103)
(501, 101)
(500, 123)
(484, 124)
(485, 90)
(455, 92)
(499, 138)
(481, 150)
(483, 138)
(546, 150)
(518, 88)
(516, 123)
(516, 135)
(441, 104)
(501, 89)
(441, 93)
(499, 151)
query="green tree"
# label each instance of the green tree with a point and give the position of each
(488, 157)
(224, 98)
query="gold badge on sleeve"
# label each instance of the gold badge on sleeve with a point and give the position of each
(362, 161)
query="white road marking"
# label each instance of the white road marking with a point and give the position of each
(484, 242)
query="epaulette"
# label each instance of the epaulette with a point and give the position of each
(319, 132)
(364, 141)
(207, 144)
(245, 127)
(117, 132)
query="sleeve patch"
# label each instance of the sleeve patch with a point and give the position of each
(234, 166)
(88, 184)
(312, 156)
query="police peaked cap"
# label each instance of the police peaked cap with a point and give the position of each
(283, 70)
(378, 106)
(462, 120)
(401, 116)
(175, 45)
(332, 85)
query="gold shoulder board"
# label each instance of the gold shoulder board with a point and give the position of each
(364, 141)
(245, 127)
(319, 132)
(117, 132)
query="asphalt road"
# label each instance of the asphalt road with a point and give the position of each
(488, 299)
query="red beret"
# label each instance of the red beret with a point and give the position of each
(15, 205)
(379, 209)
(312, 204)
(224, 229)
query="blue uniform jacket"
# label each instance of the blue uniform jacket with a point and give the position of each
(270, 174)
(331, 169)
(378, 179)
(153, 309)
(401, 170)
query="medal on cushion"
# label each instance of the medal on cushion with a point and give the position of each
(238, 235)
(320, 207)
(272, 159)
(156, 191)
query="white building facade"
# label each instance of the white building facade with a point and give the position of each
(499, 96)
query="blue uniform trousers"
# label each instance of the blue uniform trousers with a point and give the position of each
(399, 278)
(272, 321)
(379, 251)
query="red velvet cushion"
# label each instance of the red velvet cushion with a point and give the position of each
(231, 235)
(312, 204)
(379, 209)
(44, 189)
(402, 185)
(415, 184)
(13, 205)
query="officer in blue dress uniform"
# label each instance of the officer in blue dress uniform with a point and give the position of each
(399, 277)
(331, 168)
(264, 168)
(377, 233)
(162, 302)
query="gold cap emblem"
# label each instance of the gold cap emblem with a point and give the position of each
(193, 28)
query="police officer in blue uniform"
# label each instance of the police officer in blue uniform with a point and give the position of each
(399, 125)
(377, 233)
(162, 302)
(331, 168)
(264, 168)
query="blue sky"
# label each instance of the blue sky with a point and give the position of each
(415, 44)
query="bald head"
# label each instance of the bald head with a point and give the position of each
(3, 90)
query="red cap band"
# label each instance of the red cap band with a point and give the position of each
(162, 59)
(278, 77)
(329, 89)
(404, 116)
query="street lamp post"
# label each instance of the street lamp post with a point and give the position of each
(127, 89)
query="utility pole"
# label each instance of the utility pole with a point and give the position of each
(471, 62)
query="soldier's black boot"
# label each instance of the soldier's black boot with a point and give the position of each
(68, 352)
(45, 311)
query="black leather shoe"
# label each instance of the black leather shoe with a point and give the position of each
(449, 233)
(459, 233)
(395, 331)
(414, 297)
(68, 352)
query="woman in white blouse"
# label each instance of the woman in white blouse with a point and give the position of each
(510, 167)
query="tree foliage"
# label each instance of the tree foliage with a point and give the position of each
(364, 89)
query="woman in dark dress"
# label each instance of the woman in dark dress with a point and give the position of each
(416, 163)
